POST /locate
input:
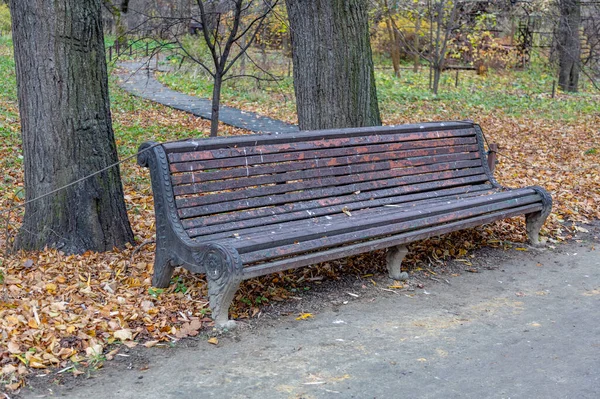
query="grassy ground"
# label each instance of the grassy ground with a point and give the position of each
(60, 310)
(515, 94)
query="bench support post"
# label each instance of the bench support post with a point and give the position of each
(535, 221)
(394, 257)
(223, 267)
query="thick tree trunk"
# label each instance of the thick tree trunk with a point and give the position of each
(333, 67)
(569, 45)
(66, 128)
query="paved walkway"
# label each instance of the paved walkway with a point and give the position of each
(528, 328)
(140, 81)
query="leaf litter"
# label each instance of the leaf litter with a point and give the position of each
(60, 310)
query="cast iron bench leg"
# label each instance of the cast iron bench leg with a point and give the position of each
(535, 221)
(394, 257)
(163, 270)
(223, 267)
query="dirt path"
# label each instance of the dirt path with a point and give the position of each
(525, 328)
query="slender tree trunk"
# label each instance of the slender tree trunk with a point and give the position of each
(66, 128)
(442, 36)
(333, 67)
(417, 56)
(438, 54)
(242, 61)
(569, 45)
(216, 105)
(437, 74)
(394, 50)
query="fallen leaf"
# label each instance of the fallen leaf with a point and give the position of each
(123, 335)
(304, 316)
(94, 350)
(213, 340)
(111, 355)
(9, 369)
(13, 347)
(396, 286)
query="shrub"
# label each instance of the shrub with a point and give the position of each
(4, 18)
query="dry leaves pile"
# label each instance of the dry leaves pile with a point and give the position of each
(56, 310)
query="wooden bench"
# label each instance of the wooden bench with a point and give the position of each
(239, 207)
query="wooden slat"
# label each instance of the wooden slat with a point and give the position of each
(254, 148)
(381, 243)
(292, 137)
(316, 242)
(323, 177)
(275, 214)
(296, 156)
(403, 185)
(309, 231)
(339, 185)
(331, 213)
(397, 159)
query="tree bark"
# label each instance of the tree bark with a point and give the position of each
(393, 37)
(66, 128)
(216, 105)
(569, 45)
(416, 45)
(333, 67)
(443, 29)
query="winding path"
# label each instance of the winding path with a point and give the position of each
(140, 82)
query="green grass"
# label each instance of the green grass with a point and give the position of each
(513, 93)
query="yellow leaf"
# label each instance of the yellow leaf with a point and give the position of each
(213, 341)
(521, 249)
(37, 364)
(304, 316)
(51, 288)
(396, 287)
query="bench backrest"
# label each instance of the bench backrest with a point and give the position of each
(235, 180)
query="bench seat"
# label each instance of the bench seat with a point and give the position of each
(241, 207)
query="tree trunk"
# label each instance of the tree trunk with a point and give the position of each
(66, 128)
(333, 67)
(216, 105)
(569, 45)
(417, 55)
(442, 37)
(394, 42)
(437, 74)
